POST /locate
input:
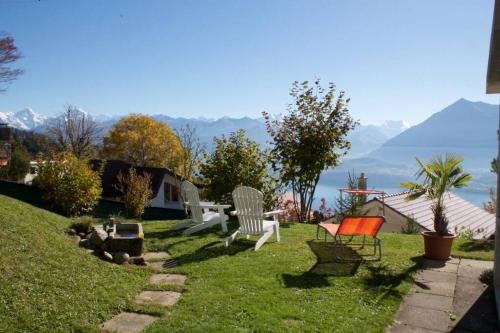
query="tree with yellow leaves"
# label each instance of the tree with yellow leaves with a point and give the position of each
(142, 141)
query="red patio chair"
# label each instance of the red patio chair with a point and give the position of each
(354, 226)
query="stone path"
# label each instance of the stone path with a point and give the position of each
(129, 322)
(444, 295)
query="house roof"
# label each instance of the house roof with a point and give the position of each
(493, 76)
(112, 169)
(460, 213)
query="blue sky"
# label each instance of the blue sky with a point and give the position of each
(396, 59)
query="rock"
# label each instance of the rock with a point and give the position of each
(71, 232)
(137, 261)
(84, 243)
(97, 238)
(76, 238)
(82, 234)
(107, 256)
(121, 257)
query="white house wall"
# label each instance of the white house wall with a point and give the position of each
(393, 220)
(159, 200)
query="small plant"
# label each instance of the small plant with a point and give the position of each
(440, 175)
(82, 224)
(464, 233)
(486, 277)
(69, 184)
(350, 204)
(136, 192)
(411, 227)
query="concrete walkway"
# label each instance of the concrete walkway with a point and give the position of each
(130, 322)
(448, 296)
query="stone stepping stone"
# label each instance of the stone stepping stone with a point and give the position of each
(178, 279)
(156, 256)
(164, 298)
(128, 322)
(159, 265)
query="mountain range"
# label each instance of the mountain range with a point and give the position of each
(385, 153)
(364, 138)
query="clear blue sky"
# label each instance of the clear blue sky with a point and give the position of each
(397, 59)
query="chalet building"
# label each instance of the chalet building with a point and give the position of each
(165, 184)
(462, 215)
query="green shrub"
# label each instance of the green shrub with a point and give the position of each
(69, 184)
(486, 277)
(19, 164)
(136, 192)
(411, 227)
(82, 224)
(237, 161)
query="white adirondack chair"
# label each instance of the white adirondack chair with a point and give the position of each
(249, 209)
(201, 213)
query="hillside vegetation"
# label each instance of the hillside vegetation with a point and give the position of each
(47, 283)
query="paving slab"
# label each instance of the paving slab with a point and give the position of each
(449, 266)
(164, 298)
(473, 268)
(128, 322)
(156, 256)
(430, 301)
(157, 265)
(402, 328)
(429, 319)
(435, 282)
(178, 279)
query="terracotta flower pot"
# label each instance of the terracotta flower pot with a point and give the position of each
(437, 247)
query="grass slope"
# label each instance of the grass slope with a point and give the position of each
(47, 283)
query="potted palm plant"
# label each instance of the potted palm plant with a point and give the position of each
(439, 176)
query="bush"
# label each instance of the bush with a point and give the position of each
(19, 164)
(237, 161)
(411, 227)
(69, 184)
(82, 224)
(486, 277)
(136, 190)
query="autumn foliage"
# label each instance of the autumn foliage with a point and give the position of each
(142, 141)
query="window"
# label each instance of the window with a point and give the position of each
(171, 192)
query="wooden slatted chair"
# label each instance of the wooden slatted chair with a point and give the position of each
(352, 226)
(201, 214)
(251, 217)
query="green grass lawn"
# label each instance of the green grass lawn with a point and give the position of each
(48, 284)
(289, 286)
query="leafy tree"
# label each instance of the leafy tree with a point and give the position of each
(35, 143)
(237, 161)
(74, 131)
(142, 141)
(491, 205)
(19, 164)
(8, 54)
(136, 192)
(69, 184)
(440, 175)
(309, 139)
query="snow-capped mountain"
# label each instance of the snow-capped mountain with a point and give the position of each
(25, 119)
(364, 139)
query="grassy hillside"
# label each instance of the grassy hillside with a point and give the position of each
(47, 283)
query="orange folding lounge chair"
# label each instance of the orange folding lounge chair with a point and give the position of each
(354, 226)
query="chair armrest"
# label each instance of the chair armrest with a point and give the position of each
(274, 212)
(213, 205)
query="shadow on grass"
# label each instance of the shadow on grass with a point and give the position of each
(382, 278)
(213, 250)
(477, 245)
(325, 266)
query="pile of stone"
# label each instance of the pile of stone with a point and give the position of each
(97, 240)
